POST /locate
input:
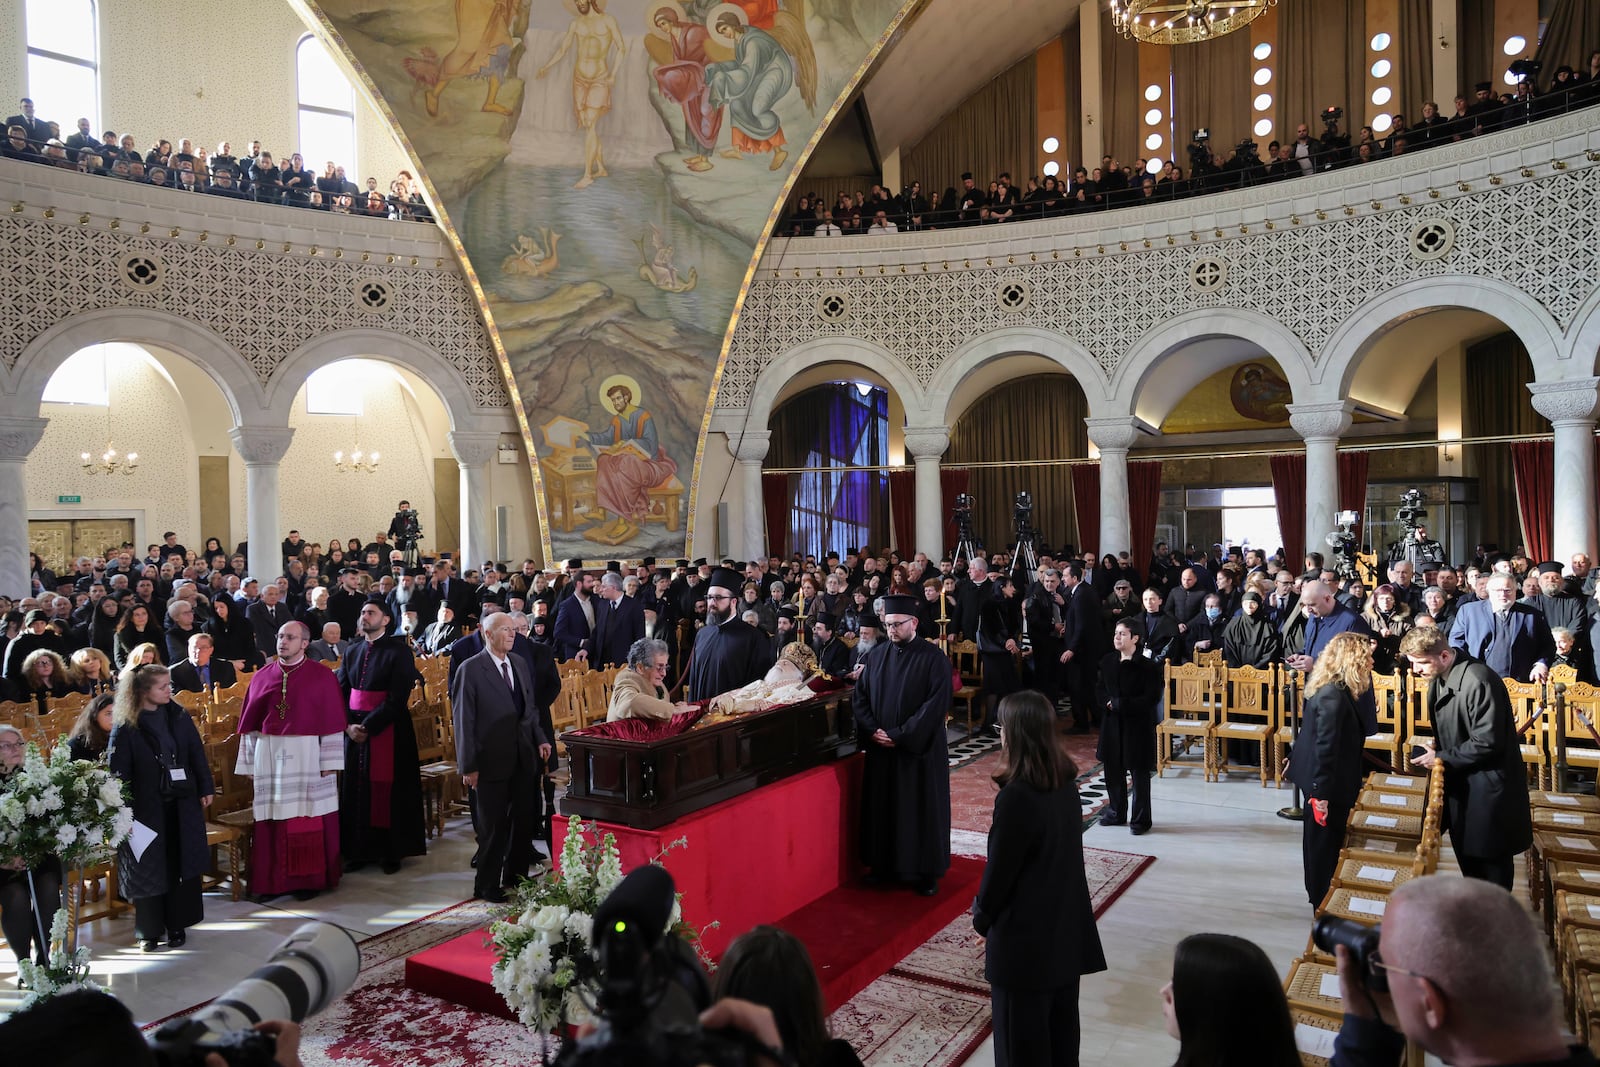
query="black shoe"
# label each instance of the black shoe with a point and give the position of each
(352, 866)
(391, 866)
(1113, 820)
(474, 861)
(928, 887)
(149, 945)
(493, 896)
(1139, 831)
(265, 898)
(176, 940)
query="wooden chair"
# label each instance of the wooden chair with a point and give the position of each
(48, 729)
(1576, 703)
(1528, 709)
(595, 702)
(1192, 710)
(71, 704)
(1389, 693)
(230, 820)
(968, 664)
(16, 713)
(1564, 673)
(1419, 716)
(1218, 665)
(1249, 713)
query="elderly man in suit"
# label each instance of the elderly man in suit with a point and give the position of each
(267, 616)
(618, 622)
(1510, 638)
(499, 748)
(199, 672)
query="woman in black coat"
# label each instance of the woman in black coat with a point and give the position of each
(1130, 692)
(999, 631)
(157, 751)
(136, 627)
(102, 630)
(232, 635)
(1326, 761)
(1033, 906)
(1250, 639)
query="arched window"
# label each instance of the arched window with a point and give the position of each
(64, 62)
(327, 109)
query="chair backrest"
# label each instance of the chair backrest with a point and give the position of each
(566, 710)
(1563, 673)
(237, 689)
(48, 729)
(72, 703)
(964, 654)
(1391, 696)
(1213, 660)
(1250, 695)
(1419, 712)
(16, 713)
(235, 792)
(1527, 702)
(595, 700)
(1575, 703)
(1191, 689)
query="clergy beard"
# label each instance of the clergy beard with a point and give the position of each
(864, 644)
(717, 618)
(373, 634)
(402, 594)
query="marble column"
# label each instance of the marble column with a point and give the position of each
(1320, 426)
(926, 445)
(18, 436)
(262, 448)
(750, 448)
(474, 450)
(1113, 437)
(1570, 407)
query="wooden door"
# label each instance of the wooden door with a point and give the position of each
(60, 541)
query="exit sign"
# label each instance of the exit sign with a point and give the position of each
(69, 500)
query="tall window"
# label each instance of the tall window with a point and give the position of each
(64, 62)
(327, 109)
(844, 424)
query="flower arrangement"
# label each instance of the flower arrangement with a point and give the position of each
(77, 812)
(546, 968)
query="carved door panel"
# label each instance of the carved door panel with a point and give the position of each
(97, 537)
(52, 542)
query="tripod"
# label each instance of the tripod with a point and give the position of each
(411, 554)
(966, 545)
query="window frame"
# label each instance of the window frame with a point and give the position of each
(91, 63)
(302, 107)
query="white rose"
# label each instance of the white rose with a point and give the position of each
(536, 958)
(111, 793)
(550, 920)
(581, 926)
(66, 835)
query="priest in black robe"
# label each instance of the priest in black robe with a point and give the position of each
(901, 699)
(380, 802)
(1567, 610)
(728, 652)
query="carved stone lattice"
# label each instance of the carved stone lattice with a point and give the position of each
(833, 307)
(1208, 275)
(1432, 239)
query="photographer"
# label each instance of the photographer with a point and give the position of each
(1467, 978)
(1333, 148)
(404, 527)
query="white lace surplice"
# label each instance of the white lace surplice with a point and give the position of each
(289, 783)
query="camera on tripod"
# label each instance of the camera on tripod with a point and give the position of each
(1331, 117)
(1412, 511)
(309, 971)
(410, 529)
(1343, 543)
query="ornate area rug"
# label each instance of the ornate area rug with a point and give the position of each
(972, 790)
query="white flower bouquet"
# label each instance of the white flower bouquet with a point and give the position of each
(77, 812)
(546, 968)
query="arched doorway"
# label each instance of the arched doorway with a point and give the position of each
(829, 486)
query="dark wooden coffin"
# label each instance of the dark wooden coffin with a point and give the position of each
(649, 783)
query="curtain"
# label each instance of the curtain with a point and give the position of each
(1322, 63)
(1415, 49)
(775, 497)
(1498, 404)
(1571, 34)
(1289, 487)
(993, 130)
(1353, 486)
(1144, 500)
(1211, 87)
(1478, 51)
(952, 483)
(1021, 422)
(1086, 501)
(834, 425)
(1121, 94)
(903, 513)
(1072, 143)
(1533, 462)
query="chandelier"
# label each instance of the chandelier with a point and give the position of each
(1184, 21)
(109, 462)
(355, 461)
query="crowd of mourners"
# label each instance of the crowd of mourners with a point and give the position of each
(1207, 168)
(255, 174)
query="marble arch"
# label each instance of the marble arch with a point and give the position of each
(1520, 313)
(1581, 352)
(764, 395)
(1021, 340)
(218, 359)
(364, 343)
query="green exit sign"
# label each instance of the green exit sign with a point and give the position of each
(69, 499)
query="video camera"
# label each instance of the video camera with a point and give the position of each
(1200, 158)
(1343, 543)
(652, 987)
(309, 971)
(1331, 116)
(410, 529)
(1412, 511)
(1362, 942)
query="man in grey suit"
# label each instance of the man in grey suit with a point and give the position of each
(499, 746)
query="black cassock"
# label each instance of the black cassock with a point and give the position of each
(726, 657)
(380, 795)
(904, 690)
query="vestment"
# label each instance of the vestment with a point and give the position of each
(291, 739)
(380, 801)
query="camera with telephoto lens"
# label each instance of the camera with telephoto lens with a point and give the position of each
(1412, 510)
(309, 971)
(1343, 543)
(1362, 942)
(652, 988)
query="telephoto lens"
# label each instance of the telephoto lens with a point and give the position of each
(1360, 939)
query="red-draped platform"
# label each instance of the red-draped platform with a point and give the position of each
(783, 854)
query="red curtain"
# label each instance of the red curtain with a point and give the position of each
(903, 512)
(775, 497)
(953, 481)
(1086, 502)
(1534, 464)
(1289, 487)
(1353, 487)
(1144, 500)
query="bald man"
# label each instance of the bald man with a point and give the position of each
(1325, 616)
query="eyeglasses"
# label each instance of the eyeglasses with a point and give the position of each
(901, 622)
(654, 667)
(14, 745)
(721, 596)
(1377, 963)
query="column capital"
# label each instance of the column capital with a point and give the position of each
(474, 448)
(19, 435)
(751, 446)
(1573, 400)
(927, 442)
(261, 444)
(1115, 434)
(1321, 421)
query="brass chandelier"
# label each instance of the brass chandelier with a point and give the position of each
(1184, 21)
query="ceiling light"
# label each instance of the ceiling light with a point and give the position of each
(1184, 21)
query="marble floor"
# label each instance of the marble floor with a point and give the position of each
(1225, 862)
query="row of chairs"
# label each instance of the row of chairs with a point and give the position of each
(1563, 869)
(1394, 835)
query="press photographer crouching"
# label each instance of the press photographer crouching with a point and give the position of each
(1460, 968)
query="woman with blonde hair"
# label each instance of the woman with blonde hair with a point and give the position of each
(1326, 762)
(156, 749)
(143, 655)
(90, 672)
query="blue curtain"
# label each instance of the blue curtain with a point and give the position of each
(834, 425)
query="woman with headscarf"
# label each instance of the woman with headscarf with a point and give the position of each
(1250, 639)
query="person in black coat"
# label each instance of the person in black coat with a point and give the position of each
(233, 637)
(618, 623)
(1159, 639)
(1250, 639)
(833, 655)
(1326, 761)
(999, 634)
(1033, 907)
(157, 751)
(1130, 689)
(202, 668)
